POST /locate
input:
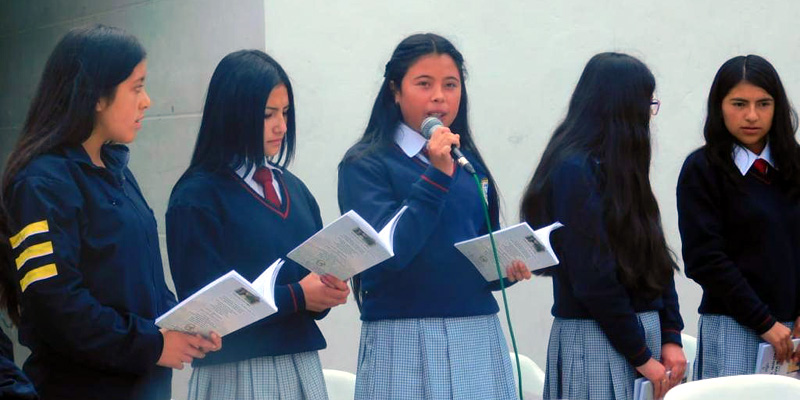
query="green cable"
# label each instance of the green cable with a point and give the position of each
(502, 284)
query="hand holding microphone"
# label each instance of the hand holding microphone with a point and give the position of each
(442, 144)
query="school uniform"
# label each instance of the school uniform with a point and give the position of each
(430, 326)
(91, 279)
(602, 330)
(218, 221)
(740, 243)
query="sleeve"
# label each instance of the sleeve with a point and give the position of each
(670, 316)
(705, 259)
(365, 186)
(66, 317)
(589, 264)
(194, 238)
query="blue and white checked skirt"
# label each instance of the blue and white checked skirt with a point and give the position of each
(292, 376)
(434, 358)
(725, 347)
(582, 363)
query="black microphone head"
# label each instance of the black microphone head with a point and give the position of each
(429, 125)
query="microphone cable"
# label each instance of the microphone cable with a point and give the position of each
(502, 283)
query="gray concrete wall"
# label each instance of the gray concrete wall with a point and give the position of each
(184, 39)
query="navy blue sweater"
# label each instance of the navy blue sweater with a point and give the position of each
(92, 282)
(215, 223)
(741, 243)
(427, 277)
(585, 284)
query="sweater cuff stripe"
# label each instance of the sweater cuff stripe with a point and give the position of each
(436, 185)
(294, 298)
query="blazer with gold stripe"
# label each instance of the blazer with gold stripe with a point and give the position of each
(90, 276)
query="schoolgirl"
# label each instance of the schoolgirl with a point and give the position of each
(739, 218)
(614, 300)
(430, 326)
(238, 207)
(83, 242)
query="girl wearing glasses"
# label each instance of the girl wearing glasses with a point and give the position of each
(615, 305)
(739, 216)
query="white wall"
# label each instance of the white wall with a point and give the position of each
(524, 59)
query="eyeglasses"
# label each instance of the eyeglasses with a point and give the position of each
(655, 104)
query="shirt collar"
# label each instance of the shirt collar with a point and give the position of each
(744, 158)
(409, 140)
(244, 173)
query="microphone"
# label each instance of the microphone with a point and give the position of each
(428, 126)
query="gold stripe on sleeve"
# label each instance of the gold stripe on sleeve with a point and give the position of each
(38, 274)
(37, 250)
(30, 230)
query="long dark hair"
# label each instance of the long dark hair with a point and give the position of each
(386, 114)
(232, 130)
(608, 125)
(719, 141)
(86, 65)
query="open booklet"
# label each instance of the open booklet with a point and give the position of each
(225, 305)
(518, 242)
(346, 246)
(766, 363)
(643, 388)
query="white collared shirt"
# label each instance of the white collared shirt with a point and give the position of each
(411, 142)
(744, 158)
(257, 186)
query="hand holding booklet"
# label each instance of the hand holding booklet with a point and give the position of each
(346, 246)
(225, 305)
(643, 389)
(766, 363)
(518, 242)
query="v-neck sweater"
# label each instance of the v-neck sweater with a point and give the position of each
(215, 223)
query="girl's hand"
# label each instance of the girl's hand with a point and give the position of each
(439, 146)
(518, 271)
(319, 295)
(655, 372)
(780, 337)
(674, 361)
(180, 348)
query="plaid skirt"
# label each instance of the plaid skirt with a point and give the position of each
(582, 363)
(292, 376)
(434, 358)
(725, 347)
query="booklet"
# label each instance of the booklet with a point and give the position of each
(767, 364)
(346, 246)
(642, 389)
(518, 242)
(225, 305)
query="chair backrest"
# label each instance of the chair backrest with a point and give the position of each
(690, 350)
(738, 387)
(341, 384)
(532, 375)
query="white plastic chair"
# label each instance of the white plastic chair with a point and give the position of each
(738, 387)
(690, 350)
(341, 384)
(532, 375)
